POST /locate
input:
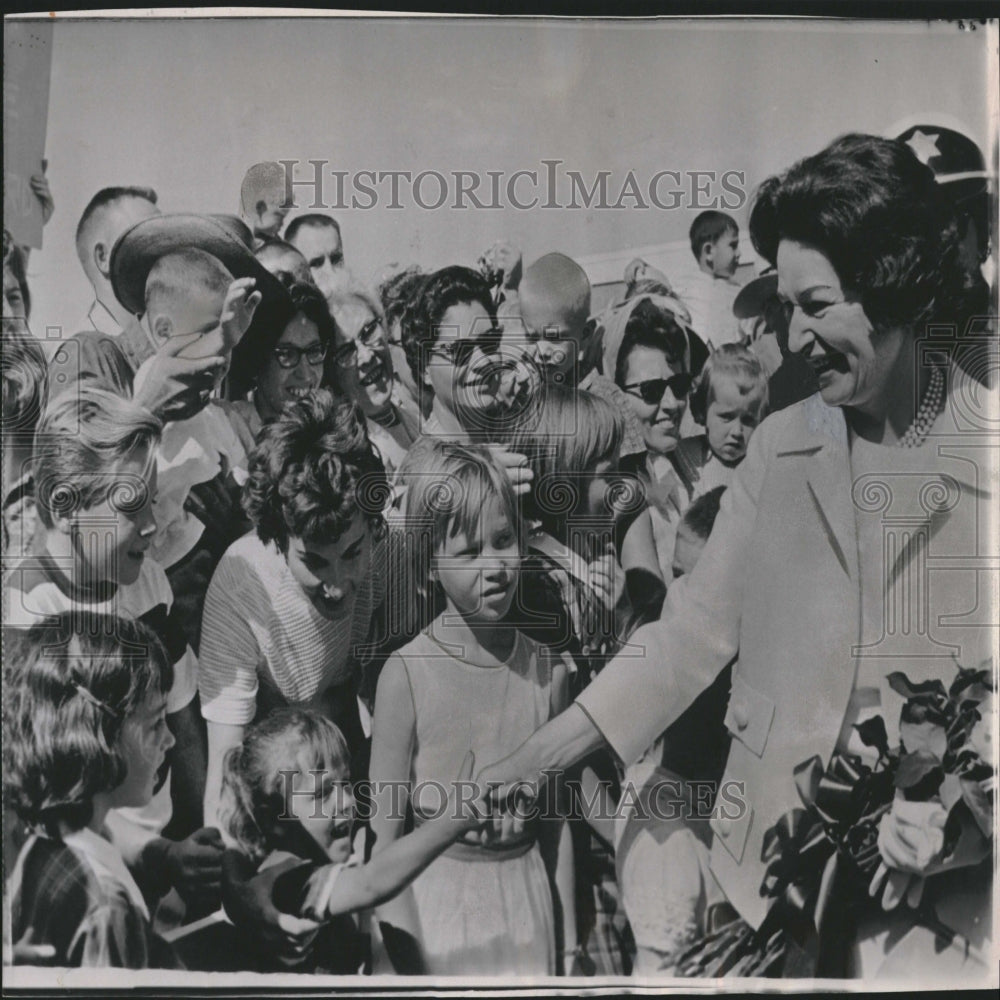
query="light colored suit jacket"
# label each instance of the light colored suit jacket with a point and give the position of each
(778, 583)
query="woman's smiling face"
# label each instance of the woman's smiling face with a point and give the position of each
(854, 363)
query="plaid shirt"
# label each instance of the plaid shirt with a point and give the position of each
(59, 897)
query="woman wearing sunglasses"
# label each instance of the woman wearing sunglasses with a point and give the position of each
(652, 369)
(452, 343)
(360, 366)
(281, 364)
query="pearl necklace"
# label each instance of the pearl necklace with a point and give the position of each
(930, 407)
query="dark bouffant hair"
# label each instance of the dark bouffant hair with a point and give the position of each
(889, 231)
(71, 682)
(653, 327)
(312, 471)
(254, 350)
(398, 294)
(451, 286)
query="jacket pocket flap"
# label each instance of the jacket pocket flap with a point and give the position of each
(749, 715)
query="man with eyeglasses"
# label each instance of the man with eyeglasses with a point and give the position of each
(317, 238)
(562, 340)
(363, 371)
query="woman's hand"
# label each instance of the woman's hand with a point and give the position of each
(467, 801)
(911, 842)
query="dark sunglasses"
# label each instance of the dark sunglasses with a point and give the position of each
(459, 352)
(289, 357)
(651, 390)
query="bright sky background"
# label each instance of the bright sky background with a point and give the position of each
(187, 106)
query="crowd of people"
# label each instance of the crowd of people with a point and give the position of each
(455, 628)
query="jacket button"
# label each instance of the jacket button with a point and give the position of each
(741, 716)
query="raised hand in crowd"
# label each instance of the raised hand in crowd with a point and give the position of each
(238, 310)
(42, 191)
(174, 387)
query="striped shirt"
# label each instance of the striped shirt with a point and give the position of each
(263, 639)
(37, 587)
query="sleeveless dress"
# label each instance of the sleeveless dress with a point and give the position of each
(480, 911)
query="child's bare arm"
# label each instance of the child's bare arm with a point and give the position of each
(351, 889)
(393, 733)
(221, 737)
(187, 767)
(555, 842)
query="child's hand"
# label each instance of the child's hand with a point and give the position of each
(42, 191)
(505, 258)
(173, 387)
(238, 309)
(602, 577)
(194, 866)
(516, 467)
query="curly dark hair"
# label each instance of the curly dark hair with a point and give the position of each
(25, 380)
(71, 682)
(399, 293)
(653, 327)
(15, 261)
(312, 471)
(253, 351)
(889, 231)
(451, 286)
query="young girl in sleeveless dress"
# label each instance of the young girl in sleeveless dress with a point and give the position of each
(469, 681)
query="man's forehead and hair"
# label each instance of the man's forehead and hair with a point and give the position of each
(313, 220)
(267, 182)
(555, 292)
(102, 207)
(175, 276)
(284, 261)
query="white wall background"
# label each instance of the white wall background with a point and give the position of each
(186, 106)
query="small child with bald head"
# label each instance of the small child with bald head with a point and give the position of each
(562, 340)
(266, 197)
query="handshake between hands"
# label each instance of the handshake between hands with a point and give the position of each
(494, 807)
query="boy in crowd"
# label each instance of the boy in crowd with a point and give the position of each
(201, 463)
(555, 312)
(159, 375)
(317, 238)
(108, 214)
(95, 486)
(266, 197)
(710, 292)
